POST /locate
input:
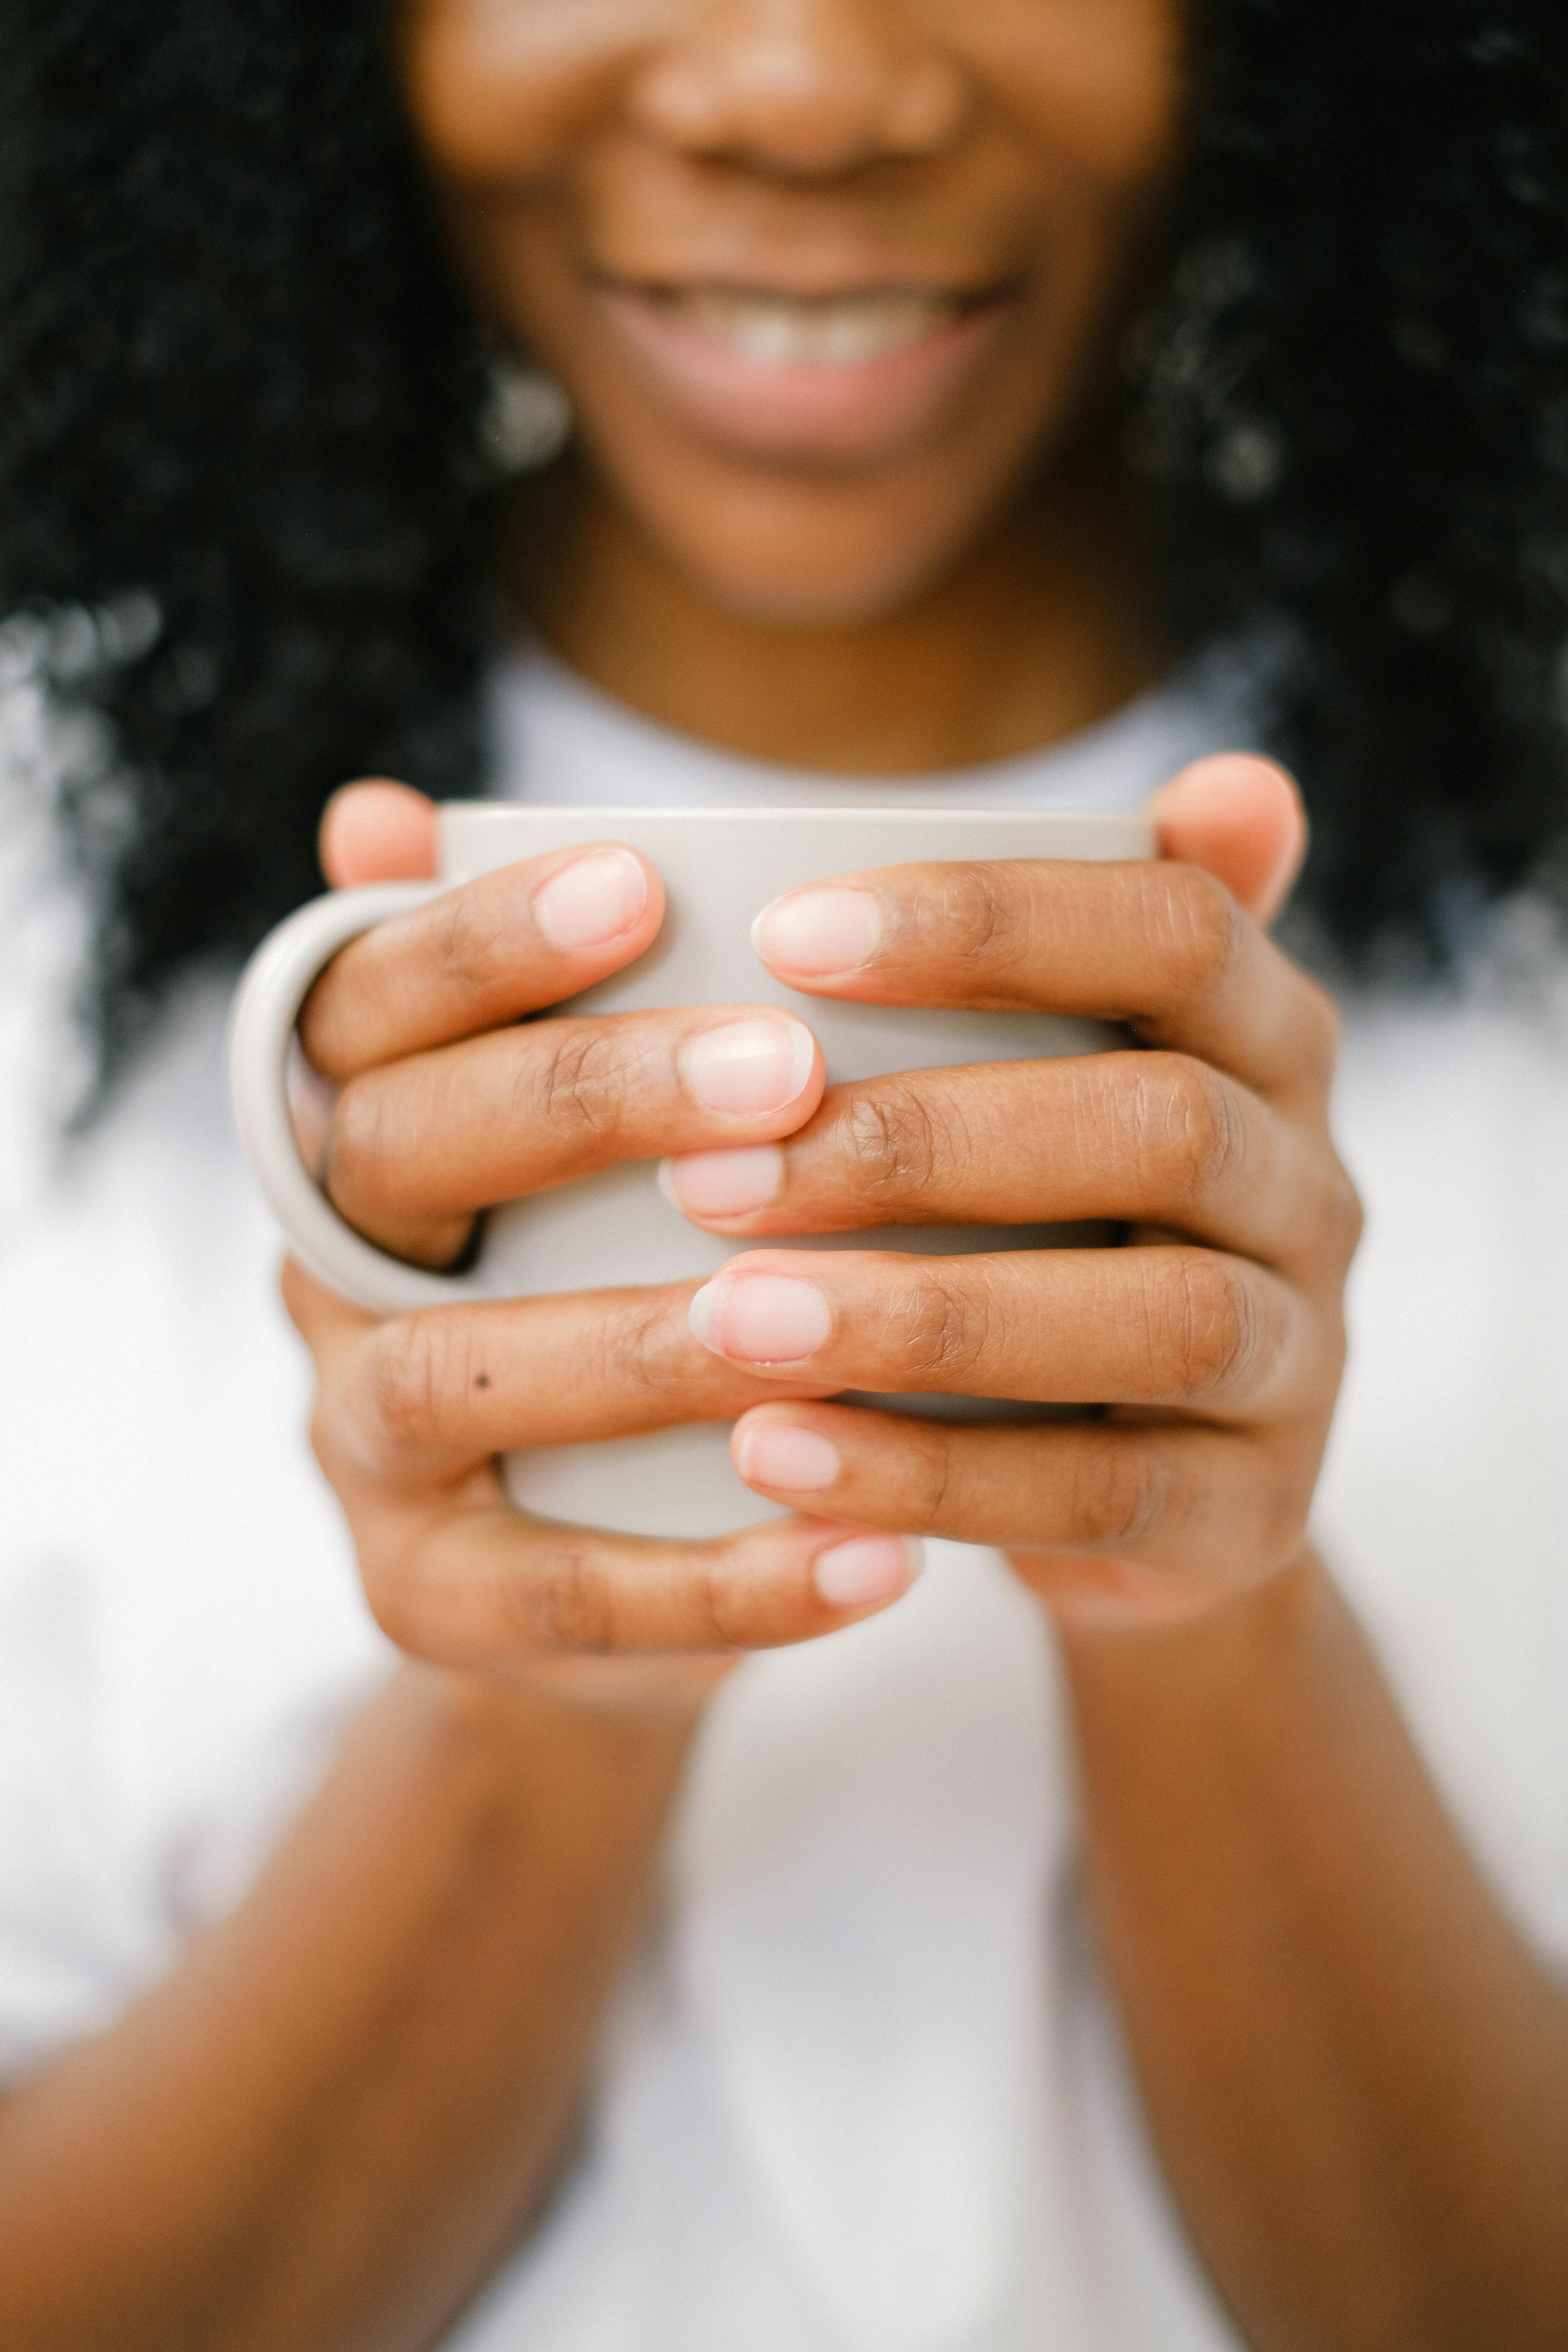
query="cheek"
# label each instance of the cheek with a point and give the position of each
(1097, 102)
(1097, 84)
(497, 89)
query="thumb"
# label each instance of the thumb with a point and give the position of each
(377, 831)
(1241, 819)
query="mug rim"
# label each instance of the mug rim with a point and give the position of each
(852, 812)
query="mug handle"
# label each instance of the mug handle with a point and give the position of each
(274, 985)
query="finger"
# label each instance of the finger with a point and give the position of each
(481, 955)
(454, 1574)
(1163, 948)
(328, 1325)
(377, 831)
(415, 1147)
(1242, 820)
(481, 1587)
(1183, 1498)
(417, 1400)
(1155, 1138)
(1177, 1326)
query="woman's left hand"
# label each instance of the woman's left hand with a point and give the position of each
(1206, 1351)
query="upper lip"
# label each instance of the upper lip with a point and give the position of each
(668, 286)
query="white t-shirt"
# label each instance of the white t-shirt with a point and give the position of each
(864, 2090)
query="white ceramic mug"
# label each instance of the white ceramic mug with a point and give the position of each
(719, 866)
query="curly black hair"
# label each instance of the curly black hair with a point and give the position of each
(241, 401)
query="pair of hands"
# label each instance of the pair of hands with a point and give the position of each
(1206, 1351)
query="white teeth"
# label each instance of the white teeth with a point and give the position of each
(776, 330)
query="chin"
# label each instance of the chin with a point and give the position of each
(828, 567)
(810, 602)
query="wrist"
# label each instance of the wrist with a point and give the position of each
(1264, 1672)
(1100, 1606)
(629, 1705)
(468, 1743)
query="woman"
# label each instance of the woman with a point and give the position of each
(663, 1995)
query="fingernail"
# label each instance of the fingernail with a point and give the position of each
(778, 1453)
(760, 1318)
(867, 1568)
(818, 931)
(593, 899)
(749, 1066)
(722, 1184)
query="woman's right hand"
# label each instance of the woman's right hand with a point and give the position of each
(446, 1100)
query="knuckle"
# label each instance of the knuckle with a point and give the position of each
(644, 1350)
(926, 1466)
(408, 1380)
(1211, 1334)
(891, 1140)
(1120, 1495)
(578, 1083)
(370, 1137)
(1203, 927)
(721, 1606)
(940, 1331)
(1350, 1213)
(471, 936)
(569, 1603)
(398, 1603)
(324, 1436)
(325, 1025)
(417, 1592)
(974, 915)
(1195, 1132)
(1343, 1217)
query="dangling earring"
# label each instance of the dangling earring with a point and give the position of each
(527, 419)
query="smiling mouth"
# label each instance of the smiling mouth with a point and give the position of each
(831, 331)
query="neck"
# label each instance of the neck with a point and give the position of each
(1044, 627)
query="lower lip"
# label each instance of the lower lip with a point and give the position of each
(802, 410)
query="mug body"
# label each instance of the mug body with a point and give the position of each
(720, 867)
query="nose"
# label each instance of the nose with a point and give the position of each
(801, 89)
